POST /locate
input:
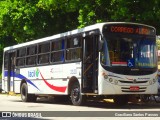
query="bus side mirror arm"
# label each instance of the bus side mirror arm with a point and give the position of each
(101, 41)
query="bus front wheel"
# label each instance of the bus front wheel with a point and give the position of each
(76, 97)
(25, 96)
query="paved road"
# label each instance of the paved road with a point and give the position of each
(13, 103)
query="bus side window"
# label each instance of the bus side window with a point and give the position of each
(43, 51)
(31, 55)
(31, 50)
(6, 60)
(57, 54)
(74, 48)
(21, 52)
(20, 60)
(44, 58)
(31, 60)
(43, 48)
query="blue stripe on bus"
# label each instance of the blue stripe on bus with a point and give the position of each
(13, 74)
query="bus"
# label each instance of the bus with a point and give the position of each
(111, 60)
(158, 51)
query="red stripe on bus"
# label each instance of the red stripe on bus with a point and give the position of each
(56, 88)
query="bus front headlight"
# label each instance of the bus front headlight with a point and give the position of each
(115, 82)
(105, 76)
(110, 80)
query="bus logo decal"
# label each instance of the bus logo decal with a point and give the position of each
(33, 73)
(129, 78)
(13, 74)
(37, 72)
(134, 81)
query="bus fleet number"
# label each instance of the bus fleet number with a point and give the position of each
(73, 71)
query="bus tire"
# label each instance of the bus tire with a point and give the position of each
(77, 98)
(121, 100)
(25, 96)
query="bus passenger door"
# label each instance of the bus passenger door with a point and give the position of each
(10, 70)
(90, 64)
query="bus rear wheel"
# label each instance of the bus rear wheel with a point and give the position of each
(121, 100)
(25, 96)
(76, 97)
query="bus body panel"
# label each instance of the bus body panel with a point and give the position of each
(112, 84)
(51, 79)
(4, 83)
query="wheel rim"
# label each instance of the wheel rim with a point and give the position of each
(23, 93)
(75, 94)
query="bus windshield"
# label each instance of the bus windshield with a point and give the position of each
(128, 50)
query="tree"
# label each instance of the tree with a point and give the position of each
(26, 20)
(93, 11)
(142, 11)
(158, 42)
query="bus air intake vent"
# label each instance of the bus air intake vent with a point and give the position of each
(129, 90)
(122, 81)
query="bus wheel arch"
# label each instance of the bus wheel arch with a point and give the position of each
(75, 92)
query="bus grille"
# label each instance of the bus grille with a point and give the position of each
(127, 89)
(122, 81)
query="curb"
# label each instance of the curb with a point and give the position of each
(11, 93)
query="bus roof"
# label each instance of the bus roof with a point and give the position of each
(73, 32)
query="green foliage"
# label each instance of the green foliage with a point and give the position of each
(25, 20)
(158, 43)
(16, 18)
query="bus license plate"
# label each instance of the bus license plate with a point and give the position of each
(134, 88)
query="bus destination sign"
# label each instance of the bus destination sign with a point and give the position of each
(129, 29)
